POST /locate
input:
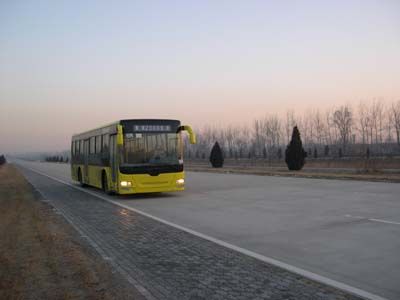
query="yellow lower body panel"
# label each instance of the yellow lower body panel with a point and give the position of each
(130, 183)
(144, 183)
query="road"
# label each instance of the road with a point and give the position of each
(347, 231)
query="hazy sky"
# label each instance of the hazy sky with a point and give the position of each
(69, 66)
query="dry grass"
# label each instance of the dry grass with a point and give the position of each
(382, 163)
(42, 257)
(356, 174)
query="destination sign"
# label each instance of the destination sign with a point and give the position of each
(152, 128)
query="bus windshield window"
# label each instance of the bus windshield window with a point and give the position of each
(150, 148)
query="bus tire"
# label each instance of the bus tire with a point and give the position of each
(80, 179)
(104, 183)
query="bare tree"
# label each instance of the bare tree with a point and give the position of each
(363, 122)
(272, 130)
(258, 138)
(389, 125)
(308, 128)
(229, 137)
(330, 129)
(395, 112)
(319, 127)
(241, 140)
(289, 124)
(376, 112)
(343, 120)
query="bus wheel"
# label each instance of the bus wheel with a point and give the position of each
(104, 183)
(80, 177)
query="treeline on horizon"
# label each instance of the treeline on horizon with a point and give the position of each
(366, 130)
(57, 158)
(369, 129)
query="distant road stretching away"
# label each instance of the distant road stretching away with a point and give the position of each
(348, 231)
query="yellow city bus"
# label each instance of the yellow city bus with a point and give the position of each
(131, 156)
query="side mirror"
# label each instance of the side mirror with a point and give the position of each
(120, 137)
(188, 129)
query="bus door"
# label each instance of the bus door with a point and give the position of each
(113, 157)
(86, 161)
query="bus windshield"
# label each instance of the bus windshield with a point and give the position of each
(151, 148)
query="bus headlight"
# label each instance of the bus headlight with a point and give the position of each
(180, 182)
(126, 183)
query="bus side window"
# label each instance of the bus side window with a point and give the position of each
(105, 141)
(72, 148)
(76, 147)
(98, 144)
(92, 146)
(81, 147)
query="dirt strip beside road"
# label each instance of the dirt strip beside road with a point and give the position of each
(322, 173)
(42, 256)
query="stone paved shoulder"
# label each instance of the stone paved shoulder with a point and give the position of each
(173, 264)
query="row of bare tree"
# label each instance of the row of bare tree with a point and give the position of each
(345, 129)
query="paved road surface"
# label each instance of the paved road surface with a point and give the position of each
(348, 231)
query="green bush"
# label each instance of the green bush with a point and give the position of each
(295, 154)
(216, 156)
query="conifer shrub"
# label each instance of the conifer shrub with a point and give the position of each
(295, 154)
(216, 156)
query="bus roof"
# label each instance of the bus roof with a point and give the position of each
(112, 127)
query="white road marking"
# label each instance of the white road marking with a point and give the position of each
(272, 261)
(385, 221)
(373, 219)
